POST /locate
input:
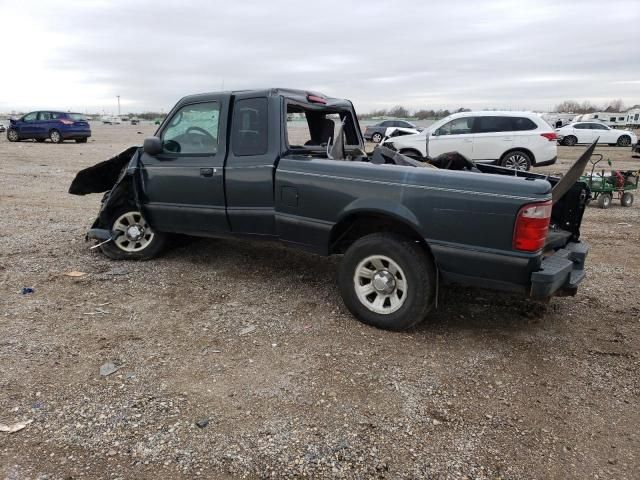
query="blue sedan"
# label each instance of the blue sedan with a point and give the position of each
(56, 126)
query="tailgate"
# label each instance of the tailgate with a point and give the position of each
(562, 266)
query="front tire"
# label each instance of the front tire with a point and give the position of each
(569, 141)
(624, 141)
(517, 160)
(137, 240)
(12, 135)
(388, 281)
(376, 137)
(55, 136)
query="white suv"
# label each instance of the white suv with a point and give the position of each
(511, 139)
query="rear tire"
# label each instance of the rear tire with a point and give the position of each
(55, 136)
(388, 281)
(604, 200)
(138, 240)
(376, 137)
(517, 160)
(569, 141)
(627, 199)
(12, 135)
(624, 141)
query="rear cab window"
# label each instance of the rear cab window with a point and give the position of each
(250, 127)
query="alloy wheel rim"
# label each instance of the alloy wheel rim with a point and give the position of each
(136, 234)
(380, 284)
(13, 135)
(624, 141)
(55, 137)
(517, 162)
(377, 137)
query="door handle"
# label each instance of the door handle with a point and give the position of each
(206, 172)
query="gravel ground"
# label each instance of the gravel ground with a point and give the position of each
(238, 359)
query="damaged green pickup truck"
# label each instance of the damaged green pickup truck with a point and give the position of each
(290, 165)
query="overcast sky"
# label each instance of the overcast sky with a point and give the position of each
(80, 54)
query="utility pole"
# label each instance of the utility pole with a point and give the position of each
(118, 97)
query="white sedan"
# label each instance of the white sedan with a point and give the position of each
(587, 132)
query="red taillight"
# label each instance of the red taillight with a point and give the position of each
(316, 99)
(531, 227)
(66, 122)
(552, 137)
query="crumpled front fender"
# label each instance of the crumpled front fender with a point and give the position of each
(119, 178)
(103, 176)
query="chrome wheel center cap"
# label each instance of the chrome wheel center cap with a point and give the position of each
(384, 282)
(134, 232)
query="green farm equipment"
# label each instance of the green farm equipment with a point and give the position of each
(614, 184)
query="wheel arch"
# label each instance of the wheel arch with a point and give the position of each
(359, 222)
(521, 149)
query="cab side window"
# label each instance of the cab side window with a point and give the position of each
(193, 130)
(458, 126)
(249, 129)
(44, 116)
(30, 117)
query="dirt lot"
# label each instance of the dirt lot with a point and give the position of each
(491, 387)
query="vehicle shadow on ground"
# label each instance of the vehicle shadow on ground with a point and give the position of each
(458, 308)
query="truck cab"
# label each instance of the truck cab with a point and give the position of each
(206, 175)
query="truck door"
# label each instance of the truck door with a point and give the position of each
(249, 171)
(183, 186)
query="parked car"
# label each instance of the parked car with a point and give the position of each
(517, 140)
(111, 120)
(377, 132)
(587, 132)
(2, 128)
(56, 126)
(403, 226)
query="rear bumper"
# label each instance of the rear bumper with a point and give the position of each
(560, 273)
(73, 134)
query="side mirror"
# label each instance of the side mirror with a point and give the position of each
(434, 133)
(152, 146)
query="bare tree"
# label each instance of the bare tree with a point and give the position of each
(399, 112)
(568, 106)
(616, 106)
